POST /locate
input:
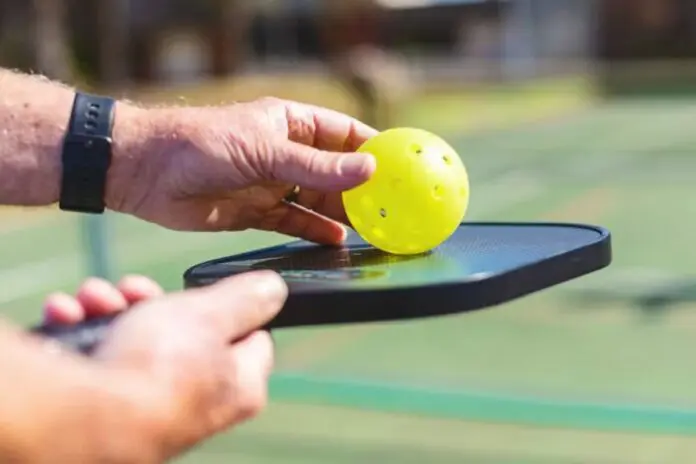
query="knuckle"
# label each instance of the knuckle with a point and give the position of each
(301, 125)
(259, 284)
(265, 159)
(265, 338)
(56, 298)
(252, 403)
(134, 277)
(270, 101)
(313, 162)
(334, 165)
(129, 279)
(91, 282)
(227, 396)
(270, 291)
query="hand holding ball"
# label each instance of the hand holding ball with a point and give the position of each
(416, 198)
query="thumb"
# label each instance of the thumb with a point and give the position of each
(316, 169)
(235, 306)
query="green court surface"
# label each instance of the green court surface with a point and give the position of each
(584, 373)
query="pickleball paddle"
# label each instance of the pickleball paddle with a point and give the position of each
(482, 265)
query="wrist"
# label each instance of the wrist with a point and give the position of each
(134, 140)
(128, 425)
(86, 412)
(149, 411)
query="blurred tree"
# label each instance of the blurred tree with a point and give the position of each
(234, 24)
(16, 46)
(51, 45)
(114, 27)
(349, 23)
(353, 41)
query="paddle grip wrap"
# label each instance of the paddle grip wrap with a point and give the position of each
(82, 338)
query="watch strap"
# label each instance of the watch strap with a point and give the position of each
(86, 156)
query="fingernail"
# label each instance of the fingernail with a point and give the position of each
(357, 164)
(274, 285)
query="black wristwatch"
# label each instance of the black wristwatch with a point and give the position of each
(87, 154)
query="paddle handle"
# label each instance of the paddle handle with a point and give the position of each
(82, 338)
(85, 336)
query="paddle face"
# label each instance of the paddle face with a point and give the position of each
(481, 265)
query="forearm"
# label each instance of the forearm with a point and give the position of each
(34, 115)
(58, 408)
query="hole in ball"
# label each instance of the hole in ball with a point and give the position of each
(446, 159)
(417, 149)
(437, 192)
(383, 212)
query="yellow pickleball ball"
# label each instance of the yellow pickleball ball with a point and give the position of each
(416, 198)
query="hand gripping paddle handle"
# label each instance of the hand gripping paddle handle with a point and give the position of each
(82, 338)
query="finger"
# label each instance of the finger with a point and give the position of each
(316, 169)
(303, 223)
(99, 298)
(252, 358)
(236, 306)
(324, 128)
(135, 288)
(61, 308)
